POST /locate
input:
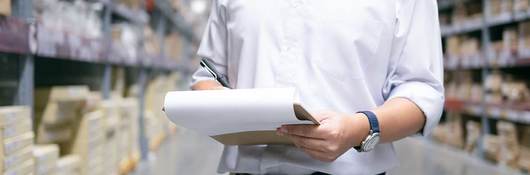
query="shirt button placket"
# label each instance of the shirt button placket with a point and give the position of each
(286, 74)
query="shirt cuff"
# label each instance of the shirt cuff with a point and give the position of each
(428, 99)
(200, 75)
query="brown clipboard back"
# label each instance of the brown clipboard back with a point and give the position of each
(264, 137)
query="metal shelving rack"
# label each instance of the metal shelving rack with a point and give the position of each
(483, 110)
(17, 39)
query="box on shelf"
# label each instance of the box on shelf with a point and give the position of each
(520, 5)
(509, 152)
(46, 157)
(26, 167)
(173, 46)
(68, 165)
(14, 144)
(61, 107)
(472, 137)
(10, 115)
(89, 142)
(152, 42)
(491, 146)
(10, 162)
(133, 4)
(524, 159)
(16, 138)
(5, 7)
(499, 7)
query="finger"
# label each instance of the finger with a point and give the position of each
(321, 116)
(303, 130)
(306, 142)
(319, 155)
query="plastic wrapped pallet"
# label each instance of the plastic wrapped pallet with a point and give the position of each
(68, 165)
(46, 157)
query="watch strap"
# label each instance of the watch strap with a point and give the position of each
(374, 124)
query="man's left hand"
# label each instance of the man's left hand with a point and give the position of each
(336, 134)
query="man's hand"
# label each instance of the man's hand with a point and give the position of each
(336, 134)
(208, 85)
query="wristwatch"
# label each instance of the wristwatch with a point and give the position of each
(368, 144)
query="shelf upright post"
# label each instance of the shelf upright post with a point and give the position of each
(106, 84)
(142, 82)
(23, 9)
(161, 32)
(485, 41)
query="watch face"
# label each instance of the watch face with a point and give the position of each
(370, 142)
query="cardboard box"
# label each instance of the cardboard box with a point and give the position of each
(88, 143)
(21, 127)
(14, 144)
(47, 136)
(68, 165)
(46, 157)
(524, 159)
(173, 43)
(10, 115)
(5, 7)
(24, 168)
(16, 158)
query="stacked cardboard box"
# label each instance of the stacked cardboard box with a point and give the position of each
(111, 128)
(509, 152)
(520, 5)
(129, 143)
(68, 165)
(46, 157)
(133, 4)
(62, 107)
(173, 46)
(16, 140)
(500, 7)
(5, 7)
(88, 143)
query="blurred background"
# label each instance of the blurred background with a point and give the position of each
(82, 84)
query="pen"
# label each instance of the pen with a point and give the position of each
(218, 76)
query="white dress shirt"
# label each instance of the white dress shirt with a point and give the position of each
(340, 55)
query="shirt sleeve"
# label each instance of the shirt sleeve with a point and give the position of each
(213, 43)
(416, 70)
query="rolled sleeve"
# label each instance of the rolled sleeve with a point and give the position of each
(213, 43)
(427, 98)
(417, 66)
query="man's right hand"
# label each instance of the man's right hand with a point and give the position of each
(208, 85)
